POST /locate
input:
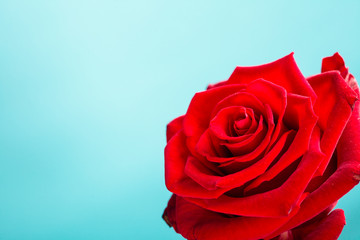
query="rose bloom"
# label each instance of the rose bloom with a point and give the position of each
(265, 154)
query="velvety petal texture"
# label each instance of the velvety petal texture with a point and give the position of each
(265, 154)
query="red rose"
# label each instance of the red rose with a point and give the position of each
(265, 154)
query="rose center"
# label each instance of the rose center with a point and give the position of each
(233, 123)
(242, 124)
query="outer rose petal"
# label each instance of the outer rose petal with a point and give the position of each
(331, 89)
(196, 223)
(335, 62)
(329, 228)
(342, 181)
(283, 72)
(346, 176)
(173, 127)
(219, 84)
(348, 148)
(305, 228)
(169, 212)
(349, 143)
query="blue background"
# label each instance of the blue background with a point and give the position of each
(87, 88)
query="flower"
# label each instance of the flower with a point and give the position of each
(265, 154)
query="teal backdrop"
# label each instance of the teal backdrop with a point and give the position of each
(87, 88)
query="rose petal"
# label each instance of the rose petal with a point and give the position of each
(248, 144)
(226, 160)
(333, 116)
(173, 127)
(219, 125)
(283, 72)
(275, 97)
(318, 180)
(197, 117)
(169, 214)
(196, 223)
(301, 115)
(202, 174)
(255, 129)
(219, 84)
(239, 178)
(211, 179)
(334, 62)
(176, 180)
(342, 181)
(271, 94)
(238, 99)
(243, 99)
(272, 203)
(348, 147)
(305, 228)
(211, 149)
(331, 89)
(351, 81)
(253, 146)
(241, 126)
(328, 228)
